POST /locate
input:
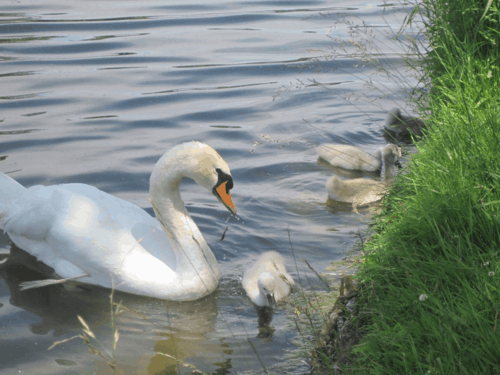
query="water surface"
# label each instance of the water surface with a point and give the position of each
(96, 92)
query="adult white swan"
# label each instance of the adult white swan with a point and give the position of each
(87, 234)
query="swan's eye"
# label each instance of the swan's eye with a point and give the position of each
(223, 177)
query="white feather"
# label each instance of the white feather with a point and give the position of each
(79, 230)
(268, 276)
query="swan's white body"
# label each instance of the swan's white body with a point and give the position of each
(79, 230)
(267, 281)
(361, 191)
(351, 157)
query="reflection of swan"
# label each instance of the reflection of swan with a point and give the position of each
(265, 317)
(267, 281)
(400, 127)
(350, 157)
(50, 308)
(82, 232)
(178, 331)
(362, 191)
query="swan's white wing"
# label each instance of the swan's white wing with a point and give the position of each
(79, 229)
(28, 214)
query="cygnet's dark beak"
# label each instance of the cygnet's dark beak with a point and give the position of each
(271, 301)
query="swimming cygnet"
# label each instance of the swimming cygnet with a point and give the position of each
(400, 127)
(351, 157)
(361, 191)
(267, 281)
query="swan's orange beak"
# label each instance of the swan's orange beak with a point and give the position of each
(225, 197)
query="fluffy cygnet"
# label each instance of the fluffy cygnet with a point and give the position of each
(400, 127)
(351, 157)
(361, 191)
(267, 281)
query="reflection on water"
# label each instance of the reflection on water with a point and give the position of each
(180, 328)
(55, 308)
(96, 94)
(265, 315)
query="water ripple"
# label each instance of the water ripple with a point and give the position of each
(114, 84)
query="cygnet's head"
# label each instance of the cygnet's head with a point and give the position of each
(391, 154)
(394, 117)
(266, 284)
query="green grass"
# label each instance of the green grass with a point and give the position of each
(431, 276)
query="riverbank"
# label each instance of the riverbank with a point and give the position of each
(427, 298)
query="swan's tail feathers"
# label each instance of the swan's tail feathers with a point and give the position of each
(40, 283)
(9, 190)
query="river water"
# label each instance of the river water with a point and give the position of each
(96, 91)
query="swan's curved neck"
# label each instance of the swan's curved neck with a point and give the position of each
(388, 172)
(195, 262)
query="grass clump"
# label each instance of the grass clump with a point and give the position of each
(431, 273)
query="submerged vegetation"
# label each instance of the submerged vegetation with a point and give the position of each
(429, 278)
